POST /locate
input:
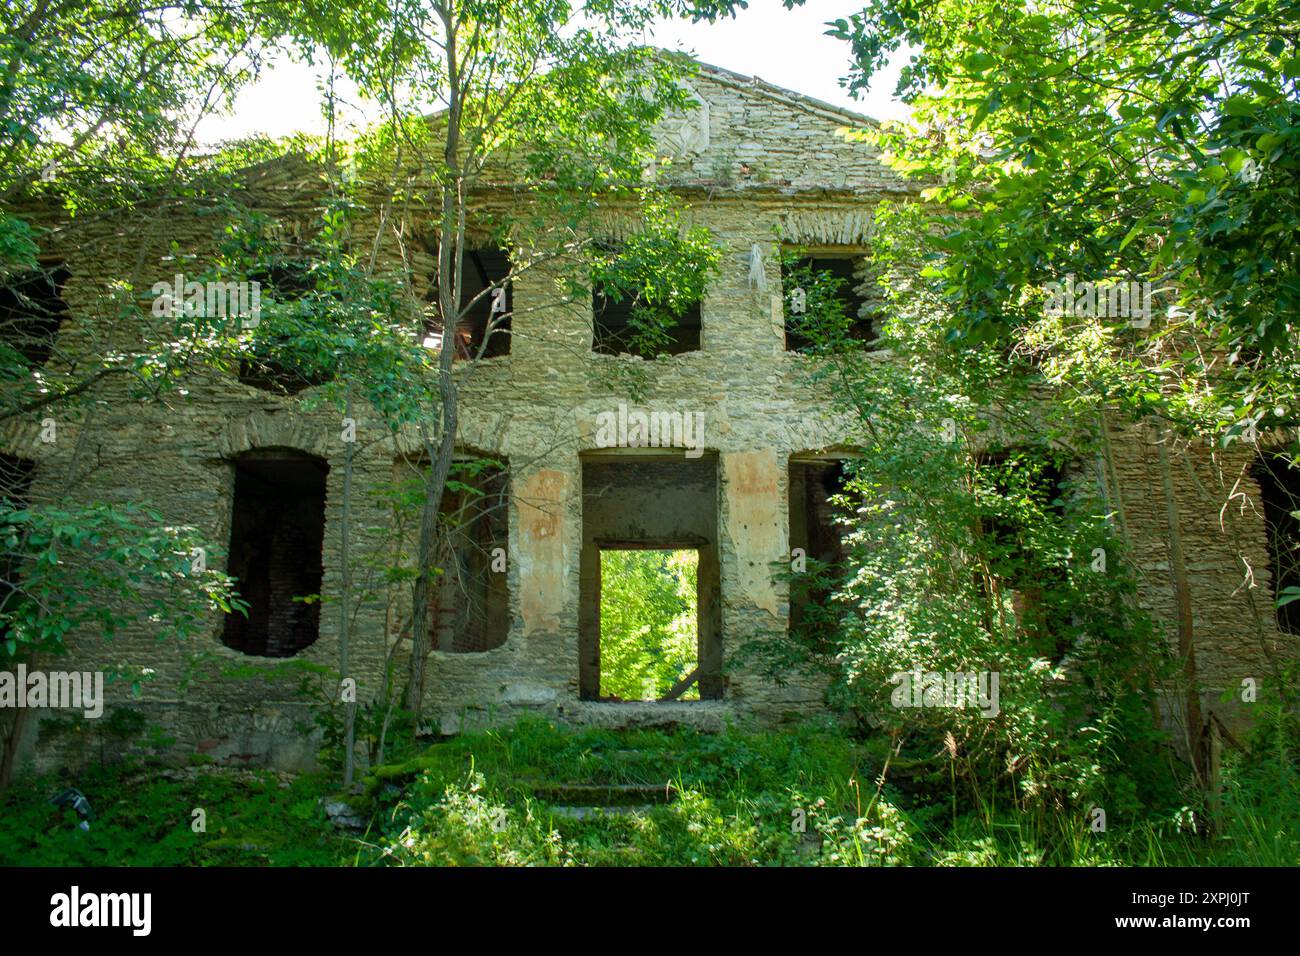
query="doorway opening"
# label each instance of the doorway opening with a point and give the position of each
(277, 531)
(649, 624)
(650, 579)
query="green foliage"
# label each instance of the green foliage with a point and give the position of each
(1259, 800)
(649, 631)
(144, 817)
(662, 269)
(823, 321)
(18, 248)
(326, 316)
(1140, 142)
(96, 85)
(464, 827)
(964, 553)
(479, 798)
(97, 107)
(1252, 823)
(104, 568)
(486, 799)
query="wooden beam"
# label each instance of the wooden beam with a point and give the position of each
(680, 687)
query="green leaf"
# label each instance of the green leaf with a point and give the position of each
(1239, 106)
(1287, 595)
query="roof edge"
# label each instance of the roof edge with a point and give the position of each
(759, 85)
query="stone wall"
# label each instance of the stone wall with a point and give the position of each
(771, 169)
(1221, 525)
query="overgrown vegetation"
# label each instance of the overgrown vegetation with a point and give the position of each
(551, 97)
(143, 816)
(806, 796)
(1103, 142)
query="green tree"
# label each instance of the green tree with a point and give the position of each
(971, 525)
(541, 94)
(649, 631)
(1144, 142)
(98, 103)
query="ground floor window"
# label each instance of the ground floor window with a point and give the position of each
(469, 604)
(1279, 485)
(277, 531)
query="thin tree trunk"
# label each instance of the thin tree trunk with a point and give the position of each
(15, 735)
(1195, 725)
(427, 555)
(11, 747)
(451, 241)
(345, 606)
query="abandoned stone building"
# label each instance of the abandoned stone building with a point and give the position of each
(258, 469)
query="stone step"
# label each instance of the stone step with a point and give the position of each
(588, 813)
(643, 756)
(604, 795)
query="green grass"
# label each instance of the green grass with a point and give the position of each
(478, 798)
(143, 818)
(738, 799)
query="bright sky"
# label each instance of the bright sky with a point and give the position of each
(787, 48)
(784, 47)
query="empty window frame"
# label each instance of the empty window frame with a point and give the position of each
(1014, 566)
(273, 367)
(31, 311)
(623, 323)
(16, 476)
(277, 531)
(812, 284)
(616, 331)
(469, 603)
(1279, 485)
(486, 304)
(816, 536)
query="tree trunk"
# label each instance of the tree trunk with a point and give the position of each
(345, 602)
(1195, 724)
(451, 234)
(12, 740)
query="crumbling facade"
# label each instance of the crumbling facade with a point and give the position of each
(260, 472)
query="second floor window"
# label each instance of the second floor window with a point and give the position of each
(646, 300)
(31, 311)
(627, 325)
(486, 304)
(276, 361)
(828, 300)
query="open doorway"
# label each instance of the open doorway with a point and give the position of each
(649, 624)
(650, 592)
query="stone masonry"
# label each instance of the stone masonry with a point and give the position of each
(758, 166)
